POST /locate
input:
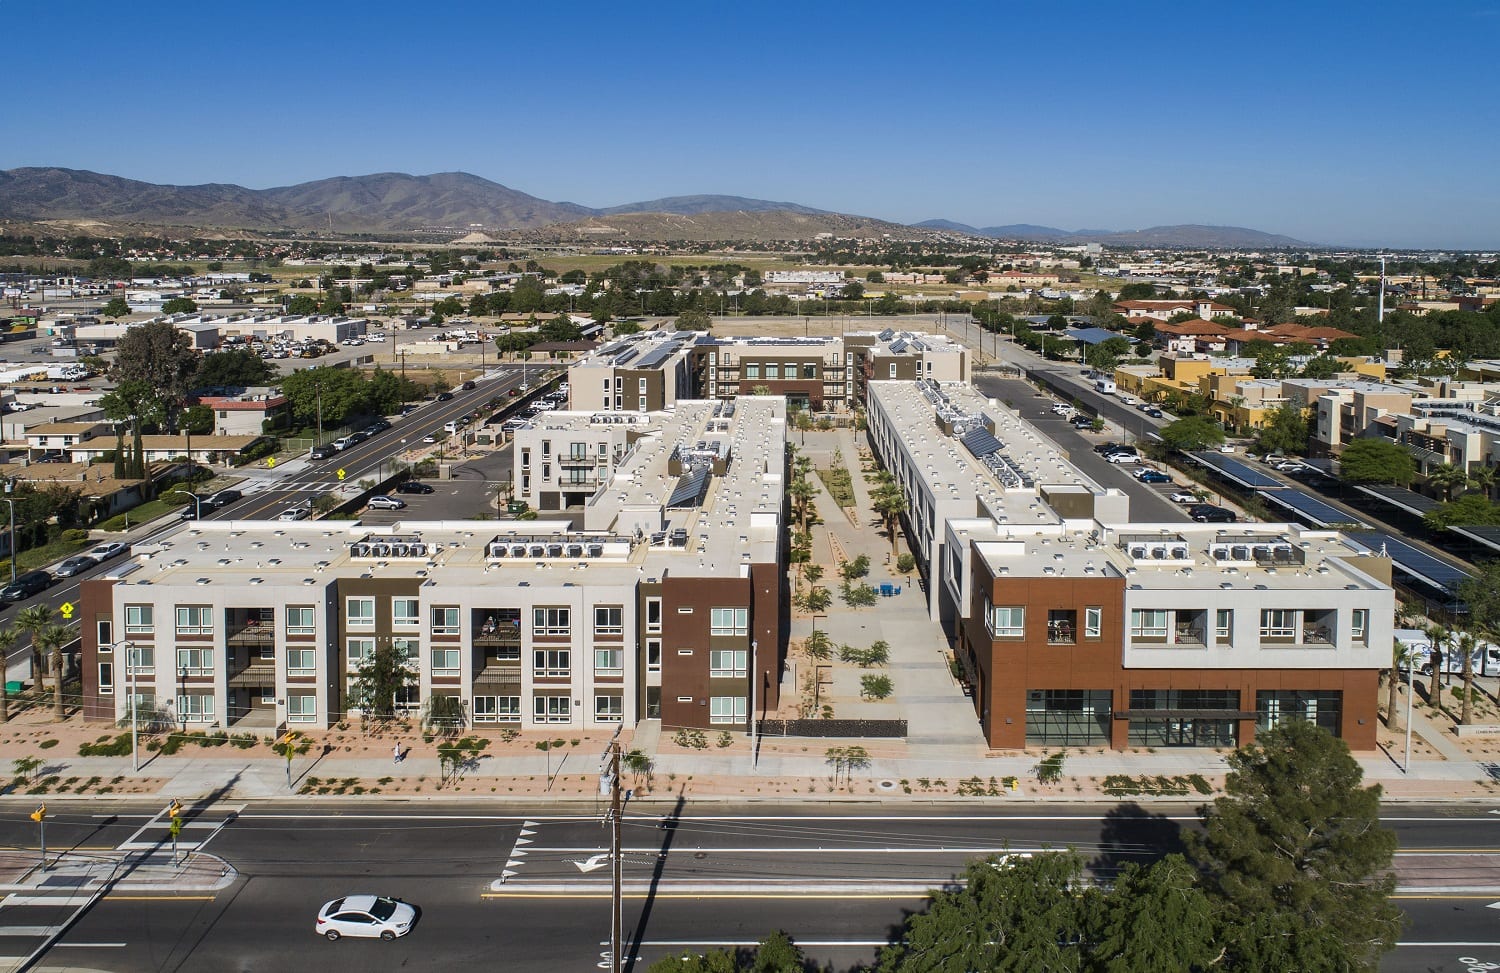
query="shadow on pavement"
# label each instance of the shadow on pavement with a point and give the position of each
(1130, 833)
(668, 827)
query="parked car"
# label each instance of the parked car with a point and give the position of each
(414, 486)
(1288, 467)
(445, 396)
(1120, 457)
(468, 385)
(1207, 513)
(1155, 413)
(365, 917)
(293, 513)
(429, 439)
(223, 498)
(104, 552)
(322, 452)
(1153, 476)
(343, 443)
(377, 427)
(77, 564)
(382, 502)
(1182, 496)
(26, 585)
(358, 437)
(513, 393)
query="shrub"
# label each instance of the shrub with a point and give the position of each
(875, 687)
(106, 746)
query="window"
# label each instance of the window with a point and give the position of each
(445, 621)
(104, 630)
(546, 449)
(301, 708)
(106, 679)
(653, 655)
(1148, 623)
(266, 653)
(1008, 623)
(195, 620)
(485, 709)
(508, 709)
(726, 709)
(578, 451)
(773, 370)
(1278, 623)
(653, 614)
(408, 649)
(359, 613)
(301, 662)
(551, 621)
(552, 709)
(1093, 622)
(607, 662)
(1359, 626)
(729, 621)
(640, 387)
(752, 369)
(809, 370)
(445, 662)
(406, 613)
(609, 620)
(1224, 624)
(299, 620)
(551, 662)
(727, 663)
(195, 662)
(195, 707)
(359, 650)
(1068, 717)
(893, 369)
(609, 709)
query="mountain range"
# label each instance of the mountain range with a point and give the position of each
(394, 202)
(1180, 235)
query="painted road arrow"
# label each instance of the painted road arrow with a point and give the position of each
(596, 861)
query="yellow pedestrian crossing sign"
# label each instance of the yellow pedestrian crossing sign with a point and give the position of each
(341, 474)
(66, 608)
(270, 461)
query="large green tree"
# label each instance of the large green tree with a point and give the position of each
(1296, 859)
(1286, 432)
(161, 356)
(115, 307)
(1192, 433)
(238, 368)
(133, 403)
(179, 305)
(1376, 461)
(775, 954)
(341, 391)
(693, 319)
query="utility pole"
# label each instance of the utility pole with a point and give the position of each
(1380, 314)
(609, 783)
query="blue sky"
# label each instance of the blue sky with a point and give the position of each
(1371, 123)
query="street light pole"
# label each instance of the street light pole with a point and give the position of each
(318, 388)
(1411, 690)
(197, 502)
(754, 686)
(11, 503)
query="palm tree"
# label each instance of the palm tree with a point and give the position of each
(31, 621)
(1438, 635)
(1401, 657)
(890, 503)
(801, 492)
(51, 641)
(7, 642)
(1466, 646)
(1482, 478)
(1450, 476)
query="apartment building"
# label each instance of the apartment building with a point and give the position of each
(956, 454)
(1161, 635)
(650, 371)
(663, 597)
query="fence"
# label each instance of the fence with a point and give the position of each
(879, 729)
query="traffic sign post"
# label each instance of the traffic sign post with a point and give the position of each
(66, 609)
(174, 811)
(40, 817)
(342, 474)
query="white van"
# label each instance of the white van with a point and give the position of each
(343, 443)
(452, 427)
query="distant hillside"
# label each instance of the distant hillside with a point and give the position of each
(1185, 235)
(381, 202)
(709, 227)
(692, 205)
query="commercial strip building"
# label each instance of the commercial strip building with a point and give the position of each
(663, 597)
(1075, 627)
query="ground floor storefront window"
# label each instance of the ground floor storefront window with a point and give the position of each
(1183, 718)
(1068, 717)
(1276, 706)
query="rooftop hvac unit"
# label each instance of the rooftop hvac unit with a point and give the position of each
(596, 550)
(518, 550)
(499, 550)
(401, 550)
(575, 550)
(554, 550)
(1179, 551)
(1138, 550)
(360, 550)
(1241, 553)
(538, 550)
(382, 550)
(1158, 553)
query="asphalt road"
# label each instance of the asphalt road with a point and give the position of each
(838, 879)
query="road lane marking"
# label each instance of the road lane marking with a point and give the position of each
(689, 943)
(64, 899)
(116, 897)
(91, 945)
(698, 896)
(679, 850)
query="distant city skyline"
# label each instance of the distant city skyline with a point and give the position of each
(1331, 123)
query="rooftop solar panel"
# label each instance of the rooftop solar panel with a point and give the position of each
(981, 442)
(690, 488)
(1319, 513)
(659, 354)
(1488, 536)
(1240, 472)
(1412, 560)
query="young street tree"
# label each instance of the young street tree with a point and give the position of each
(1296, 859)
(378, 680)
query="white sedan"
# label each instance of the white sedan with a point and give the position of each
(365, 916)
(293, 513)
(1182, 496)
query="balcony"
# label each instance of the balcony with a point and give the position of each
(249, 628)
(1062, 627)
(1184, 628)
(1293, 627)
